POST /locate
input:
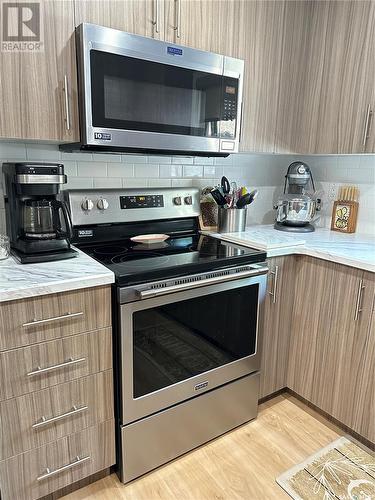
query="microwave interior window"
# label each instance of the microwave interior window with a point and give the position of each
(134, 94)
(177, 341)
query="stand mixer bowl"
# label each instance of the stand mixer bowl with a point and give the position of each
(296, 210)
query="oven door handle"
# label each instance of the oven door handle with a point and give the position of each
(146, 294)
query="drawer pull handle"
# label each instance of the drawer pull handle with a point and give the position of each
(56, 318)
(50, 472)
(46, 421)
(70, 362)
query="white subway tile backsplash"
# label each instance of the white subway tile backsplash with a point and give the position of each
(159, 182)
(210, 171)
(107, 182)
(120, 170)
(106, 158)
(134, 159)
(9, 150)
(43, 152)
(182, 182)
(146, 170)
(193, 171)
(92, 169)
(183, 160)
(75, 156)
(79, 183)
(264, 171)
(70, 168)
(134, 183)
(170, 171)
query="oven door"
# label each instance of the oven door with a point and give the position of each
(179, 345)
(143, 93)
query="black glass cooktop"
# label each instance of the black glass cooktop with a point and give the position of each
(135, 262)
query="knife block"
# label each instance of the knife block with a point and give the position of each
(344, 216)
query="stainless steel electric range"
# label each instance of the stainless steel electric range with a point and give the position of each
(186, 341)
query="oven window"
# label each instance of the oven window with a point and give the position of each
(177, 341)
(134, 94)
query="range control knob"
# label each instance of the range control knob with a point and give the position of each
(102, 204)
(188, 200)
(177, 200)
(87, 205)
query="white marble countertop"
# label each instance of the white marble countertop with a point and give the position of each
(355, 250)
(18, 281)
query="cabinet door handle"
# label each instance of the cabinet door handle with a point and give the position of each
(66, 101)
(45, 421)
(155, 22)
(241, 122)
(273, 293)
(358, 308)
(367, 125)
(55, 318)
(177, 27)
(50, 472)
(70, 362)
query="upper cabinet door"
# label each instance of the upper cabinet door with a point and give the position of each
(327, 78)
(38, 91)
(349, 78)
(259, 26)
(202, 24)
(143, 17)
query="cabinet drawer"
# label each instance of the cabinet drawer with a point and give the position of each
(58, 360)
(29, 321)
(30, 421)
(39, 472)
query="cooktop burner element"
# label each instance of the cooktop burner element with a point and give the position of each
(105, 234)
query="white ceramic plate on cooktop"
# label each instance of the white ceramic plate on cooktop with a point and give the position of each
(148, 239)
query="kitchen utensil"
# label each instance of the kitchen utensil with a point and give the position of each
(231, 220)
(225, 186)
(149, 239)
(218, 197)
(247, 198)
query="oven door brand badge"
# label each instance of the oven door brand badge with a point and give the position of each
(200, 386)
(174, 51)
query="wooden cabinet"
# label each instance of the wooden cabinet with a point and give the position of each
(210, 25)
(143, 17)
(258, 30)
(327, 75)
(275, 324)
(332, 336)
(56, 391)
(38, 90)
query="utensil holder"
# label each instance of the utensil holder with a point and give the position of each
(232, 220)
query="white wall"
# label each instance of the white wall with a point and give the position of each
(265, 172)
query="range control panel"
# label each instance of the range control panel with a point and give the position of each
(106, 206)
(142, 201)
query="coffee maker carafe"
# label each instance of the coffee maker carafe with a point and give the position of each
(38, 224)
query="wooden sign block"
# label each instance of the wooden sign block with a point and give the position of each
(344, 216)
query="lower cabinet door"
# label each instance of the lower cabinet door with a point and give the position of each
(35, 419)
(37, 473)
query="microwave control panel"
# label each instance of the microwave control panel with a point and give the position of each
(142, 201)
(230, 103)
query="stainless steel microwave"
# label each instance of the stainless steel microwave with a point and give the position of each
(138, 94)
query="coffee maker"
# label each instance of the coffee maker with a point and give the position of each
(38, 224)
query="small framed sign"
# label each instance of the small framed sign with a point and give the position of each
(344, 216)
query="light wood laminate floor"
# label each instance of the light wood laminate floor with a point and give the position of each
(242, 464)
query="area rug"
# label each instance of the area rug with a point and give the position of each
(343, 470)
